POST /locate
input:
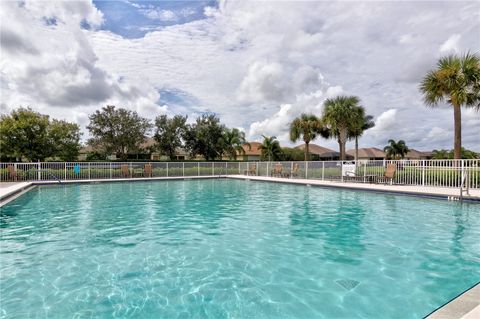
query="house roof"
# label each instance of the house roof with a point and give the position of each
(414, 154)
(369, 152)
(316, 149)
(253, 150)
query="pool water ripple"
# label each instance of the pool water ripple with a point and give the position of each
(232, 249)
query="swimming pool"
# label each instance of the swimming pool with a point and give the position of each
(232, 249)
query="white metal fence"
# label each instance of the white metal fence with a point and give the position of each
(442, 173)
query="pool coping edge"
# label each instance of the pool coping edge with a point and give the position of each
(460, 306)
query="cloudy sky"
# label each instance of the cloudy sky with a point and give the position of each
(257, 65)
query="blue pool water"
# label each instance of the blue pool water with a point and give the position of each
(232, 249)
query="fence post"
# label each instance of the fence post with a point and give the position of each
(89, 170)
(183, 169)
(267, 170)
(291, 169)
(65, 171)
(226, 168)
(364, 171)
(306, 170)
(198, 168)
(341, 171)
(38, 171)
(323, 171)
(167, 169)
(423, 172)
(110, 170)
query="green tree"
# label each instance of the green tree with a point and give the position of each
(118, 131)
(25, 133)
(233, 142)
(396, 150)
(65, 138)
(307, 127)
(270, 148)
(204, 137)
(340, 116)
(363, 122)
(168, 134)
(457, 82)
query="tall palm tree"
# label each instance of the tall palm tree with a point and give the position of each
(396, 150)
(456, 81)
(307, 126)
(363, 123)
(270, 148)
(340, 116)
(234, 140)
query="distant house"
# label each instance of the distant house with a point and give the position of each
(318, 152)
(370, 153)
(252, 153)
(418, 155)
(147, 152)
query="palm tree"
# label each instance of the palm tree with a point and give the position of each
(440, 154)
(456, 81)
(270, 148)
(396, 150)
(307, 126)
(363, 123)
(340, 116)
(234, 140)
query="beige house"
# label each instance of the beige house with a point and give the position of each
(418, 155)
(369, 153)
(318, 152)
(252, 153)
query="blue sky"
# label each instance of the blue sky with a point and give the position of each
(256, 64)
(133, 19)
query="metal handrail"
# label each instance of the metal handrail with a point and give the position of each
(465, 183)
(51, 174)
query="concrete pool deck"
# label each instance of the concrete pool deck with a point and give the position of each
(465, 306)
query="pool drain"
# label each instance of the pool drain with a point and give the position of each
(347, 284)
